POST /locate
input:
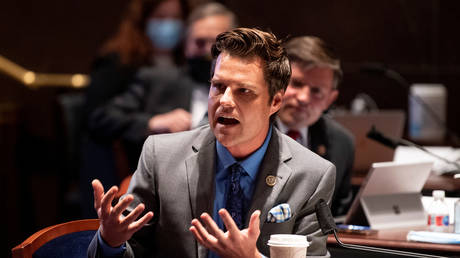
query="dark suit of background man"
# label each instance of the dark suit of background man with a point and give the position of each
(312, 89)
(181, 188)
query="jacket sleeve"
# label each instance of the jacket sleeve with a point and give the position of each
(308, 224)
(122, 117)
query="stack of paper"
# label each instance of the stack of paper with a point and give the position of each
(407, 154)
(433, 237)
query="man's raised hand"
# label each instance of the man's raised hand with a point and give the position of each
(232, 243)
(115, 228)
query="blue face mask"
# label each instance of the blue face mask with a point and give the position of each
(164, 33)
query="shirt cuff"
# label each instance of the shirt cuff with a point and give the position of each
(107, 250)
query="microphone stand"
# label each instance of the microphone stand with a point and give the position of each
(327, 225)
(382, 250)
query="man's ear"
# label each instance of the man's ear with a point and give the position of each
(276, 102)
(332, 97)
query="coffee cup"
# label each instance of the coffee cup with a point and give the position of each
(288, 246)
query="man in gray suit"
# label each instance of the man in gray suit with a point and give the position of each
(215, 191)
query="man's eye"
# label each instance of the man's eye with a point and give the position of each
(296, 84)
(218, 86)
(315, 90)
(244, 90)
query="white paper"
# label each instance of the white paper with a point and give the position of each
(412, 154)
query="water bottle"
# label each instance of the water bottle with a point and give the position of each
(438, 213)
(457, 217)
(422, 125)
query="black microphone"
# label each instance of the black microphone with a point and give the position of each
(383, 70)
(377, 136)
(327, 225)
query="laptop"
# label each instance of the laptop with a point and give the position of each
(367, 151)
(390, 196)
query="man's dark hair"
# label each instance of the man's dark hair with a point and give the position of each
(249, 43)
(309, 51)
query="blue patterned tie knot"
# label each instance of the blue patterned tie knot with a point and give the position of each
(235, 196)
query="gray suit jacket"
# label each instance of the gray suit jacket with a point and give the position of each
(175, 180)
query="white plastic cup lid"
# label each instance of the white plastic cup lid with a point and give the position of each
(288, 240)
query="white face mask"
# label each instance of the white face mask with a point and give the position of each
(164, 33)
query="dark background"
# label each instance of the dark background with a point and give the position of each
(417, 38)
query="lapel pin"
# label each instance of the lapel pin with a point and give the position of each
(270, 180)
(321, 150)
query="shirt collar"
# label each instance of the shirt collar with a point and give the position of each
(283, 128)
(251, 164)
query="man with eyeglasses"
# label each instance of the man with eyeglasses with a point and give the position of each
(312, 89)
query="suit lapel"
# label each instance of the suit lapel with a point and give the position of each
(200, 169)
(200, 173)
(273, 164)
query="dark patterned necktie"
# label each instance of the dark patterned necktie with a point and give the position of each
(235, 196)
(294, 134)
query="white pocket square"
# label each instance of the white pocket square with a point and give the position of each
(279, 213)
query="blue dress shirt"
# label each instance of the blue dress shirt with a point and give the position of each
(251, 165)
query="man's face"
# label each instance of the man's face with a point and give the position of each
(309, 93)
(238, 106)
(202, 34)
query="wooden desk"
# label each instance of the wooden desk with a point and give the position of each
(395, 239)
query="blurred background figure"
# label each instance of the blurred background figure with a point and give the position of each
(313, 87)
(150, 34)
(160, 99)
(204, 24)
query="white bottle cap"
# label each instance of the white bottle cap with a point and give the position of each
(438, 194)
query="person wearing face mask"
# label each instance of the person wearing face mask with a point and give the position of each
(204, 24)
(151, 33)
(313, 87)
(165, 29)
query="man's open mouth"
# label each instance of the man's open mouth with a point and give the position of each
(227, 121)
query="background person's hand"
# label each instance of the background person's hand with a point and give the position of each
(233, 242)
(177, 120)
(116, 229)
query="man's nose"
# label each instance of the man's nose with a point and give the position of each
(304, 94)
(227, 98)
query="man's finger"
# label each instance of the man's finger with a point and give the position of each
(106, 202)
(98, 190)
(122, 205)
(254, 225)
(196, 234)
(132, 216)
(133, 227)
(229, 222)
(204, 233)
(211, 226)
